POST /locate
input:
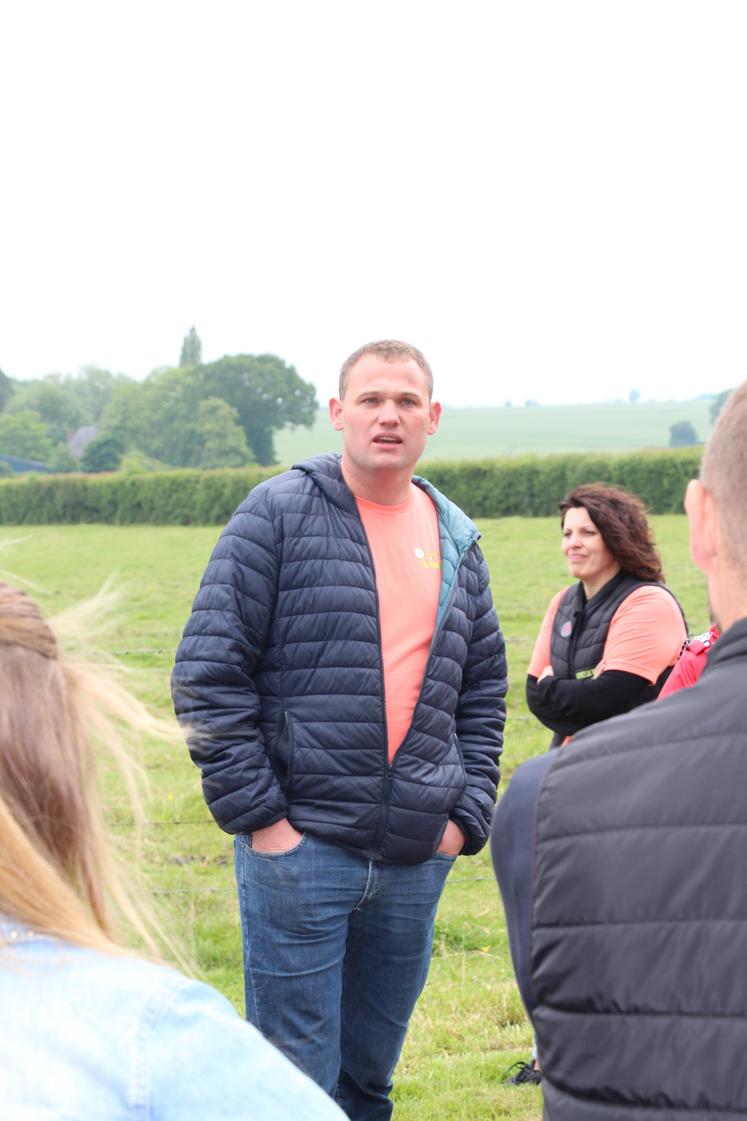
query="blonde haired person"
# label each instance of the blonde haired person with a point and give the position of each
(91, 1030)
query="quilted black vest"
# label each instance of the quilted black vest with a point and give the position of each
(580, 627)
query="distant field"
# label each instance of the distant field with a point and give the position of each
(540, 429)
(469, 1026)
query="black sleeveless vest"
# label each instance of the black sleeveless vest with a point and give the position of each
(580, 628)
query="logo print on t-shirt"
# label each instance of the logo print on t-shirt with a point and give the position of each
(428, 560)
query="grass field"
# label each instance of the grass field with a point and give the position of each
(486, 433)
(469, 1025)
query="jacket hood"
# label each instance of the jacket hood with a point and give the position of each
(326, 472)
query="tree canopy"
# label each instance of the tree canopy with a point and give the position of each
(682, 434)
(6, 390)
(266, 393)
(191, 354)
(220, 438)
(102, 454)
(223, 414)
(54, 401)
(24, 434)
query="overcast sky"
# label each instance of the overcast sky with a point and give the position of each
(549, 198)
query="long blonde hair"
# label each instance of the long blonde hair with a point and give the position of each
(57, 872)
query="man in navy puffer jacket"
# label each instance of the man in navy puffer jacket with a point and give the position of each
(342, 679)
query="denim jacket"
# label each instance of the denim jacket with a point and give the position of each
(92, 1037)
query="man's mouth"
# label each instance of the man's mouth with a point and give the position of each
(387, 439)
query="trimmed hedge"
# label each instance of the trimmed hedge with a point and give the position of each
(532, 486)
(526, 486)
(158, 498)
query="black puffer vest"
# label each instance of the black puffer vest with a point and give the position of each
(580, 628)
(640, 911)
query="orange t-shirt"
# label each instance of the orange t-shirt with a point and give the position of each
(407, 564)
(645, 635)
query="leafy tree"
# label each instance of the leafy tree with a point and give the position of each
(191, 354)
(6, 390)
(718, 403)
(24, 434)
(102, 454)
(138, 463)
(66, 401)
(266, 393)
(682, 434)
(54, 401)
(173, 398)
(157, 417)
(61, 461)
(160, 416)
(126, 415)
(220, 437)
(93, 388)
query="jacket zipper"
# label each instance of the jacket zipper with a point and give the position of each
(578, 622)
(389, 772)
(388, 767)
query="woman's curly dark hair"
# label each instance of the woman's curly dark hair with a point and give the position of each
(621, 519)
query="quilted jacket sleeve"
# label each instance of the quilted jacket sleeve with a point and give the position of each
(213, 682)
(480, 717)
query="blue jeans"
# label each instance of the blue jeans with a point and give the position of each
(336, 953)
(512, 849)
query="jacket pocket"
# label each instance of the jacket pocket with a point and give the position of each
(444, 780)
(458, 748)
(283, 754)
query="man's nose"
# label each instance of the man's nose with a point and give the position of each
(388, 412)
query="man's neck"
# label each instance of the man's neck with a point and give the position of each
(384, 487)
(731, 613)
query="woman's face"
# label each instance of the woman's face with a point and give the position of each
(589, 559)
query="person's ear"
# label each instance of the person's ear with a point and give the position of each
(434, 417)
(703, 519)
(335, 412)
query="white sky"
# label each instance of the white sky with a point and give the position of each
(549, 198)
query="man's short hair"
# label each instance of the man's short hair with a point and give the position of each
(723, 472)
(391, 350)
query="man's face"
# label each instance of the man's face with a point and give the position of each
(385, 416)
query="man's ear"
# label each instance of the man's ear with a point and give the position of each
(703, 518)
(433, 418)
(335, 412)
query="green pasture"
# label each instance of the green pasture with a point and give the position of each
(469, 1026)
(484, 433)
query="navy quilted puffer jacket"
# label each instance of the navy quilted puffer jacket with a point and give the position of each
(278, 679)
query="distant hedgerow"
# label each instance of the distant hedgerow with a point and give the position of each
(524, 486)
